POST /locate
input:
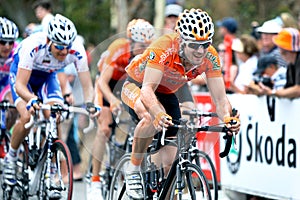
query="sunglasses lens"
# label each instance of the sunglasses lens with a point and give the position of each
(194, 45)
(62, 47)
(59, 47)
(6, 42)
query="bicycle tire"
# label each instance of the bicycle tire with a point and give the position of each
(197, 187)
(117, 187)
(213, 174)
(63, 177)
(5, 141)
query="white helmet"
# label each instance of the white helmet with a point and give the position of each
(173, 10)
(140, 30)
(61, 30)
(8, 29)
(195, 24)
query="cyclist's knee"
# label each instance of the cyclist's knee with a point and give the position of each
(104, 131)
(25, 117)
(146, 119)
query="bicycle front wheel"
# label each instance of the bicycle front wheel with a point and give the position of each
(117, 187)
(194, 185)
(205, 163)
(61, 174)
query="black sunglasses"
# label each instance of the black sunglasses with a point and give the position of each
(2, 42)
(197, 45)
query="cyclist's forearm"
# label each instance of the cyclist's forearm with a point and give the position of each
(150, 101)
(218, 94)
(21, 85)
(24, 93)
(104, 79)
(106, 91)
(87, 86)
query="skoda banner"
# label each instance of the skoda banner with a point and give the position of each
(266, 158)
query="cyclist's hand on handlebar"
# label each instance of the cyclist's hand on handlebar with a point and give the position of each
(161, 120)
(233, 123)
(93, 109)
(69, 99)
(33, 104)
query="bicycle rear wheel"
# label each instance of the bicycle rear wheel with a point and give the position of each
(61, 174)
(210, 171)
(194, 185)
(117, 187)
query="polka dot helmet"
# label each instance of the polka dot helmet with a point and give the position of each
(195, 24)
(140, 30)
(8, 29)
(61, 30)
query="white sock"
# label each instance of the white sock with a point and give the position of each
(133, 168)
(12, 154)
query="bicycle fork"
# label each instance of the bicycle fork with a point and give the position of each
(179, 182)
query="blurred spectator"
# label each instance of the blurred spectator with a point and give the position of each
(172, 12)
(73, 95)
(285, 20)
(246, 51)
(180, 2)
(29, 29)
(227, 29)
(254, 33)
(221, 52)
(288, 41)
(268, 30)
(298, 20)
(42, 9)
(269, 74)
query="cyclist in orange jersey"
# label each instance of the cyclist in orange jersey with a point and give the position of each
(154, 77)
(112, 63)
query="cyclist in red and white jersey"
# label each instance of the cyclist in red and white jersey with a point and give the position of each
(8, 34)
(166, 65)
(111, 66)
(33, 78)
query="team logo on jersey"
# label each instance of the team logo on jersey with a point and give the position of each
(152, 55)
(213, 59)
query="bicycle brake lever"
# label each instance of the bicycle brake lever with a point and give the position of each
(228, 139)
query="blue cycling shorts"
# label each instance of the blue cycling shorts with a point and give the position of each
(43, 84)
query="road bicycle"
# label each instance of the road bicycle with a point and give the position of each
(185, 179)
(115, 149)
(44, 164)
(198, 156)
(4, 135)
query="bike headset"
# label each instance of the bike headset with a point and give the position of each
(61, 30)
(194, 25)
(8, 30)
(140, 30)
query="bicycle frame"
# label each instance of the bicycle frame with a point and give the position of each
(45, 154)
(183, 141)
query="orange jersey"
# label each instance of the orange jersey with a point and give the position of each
(163, 55)
(117, 56)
